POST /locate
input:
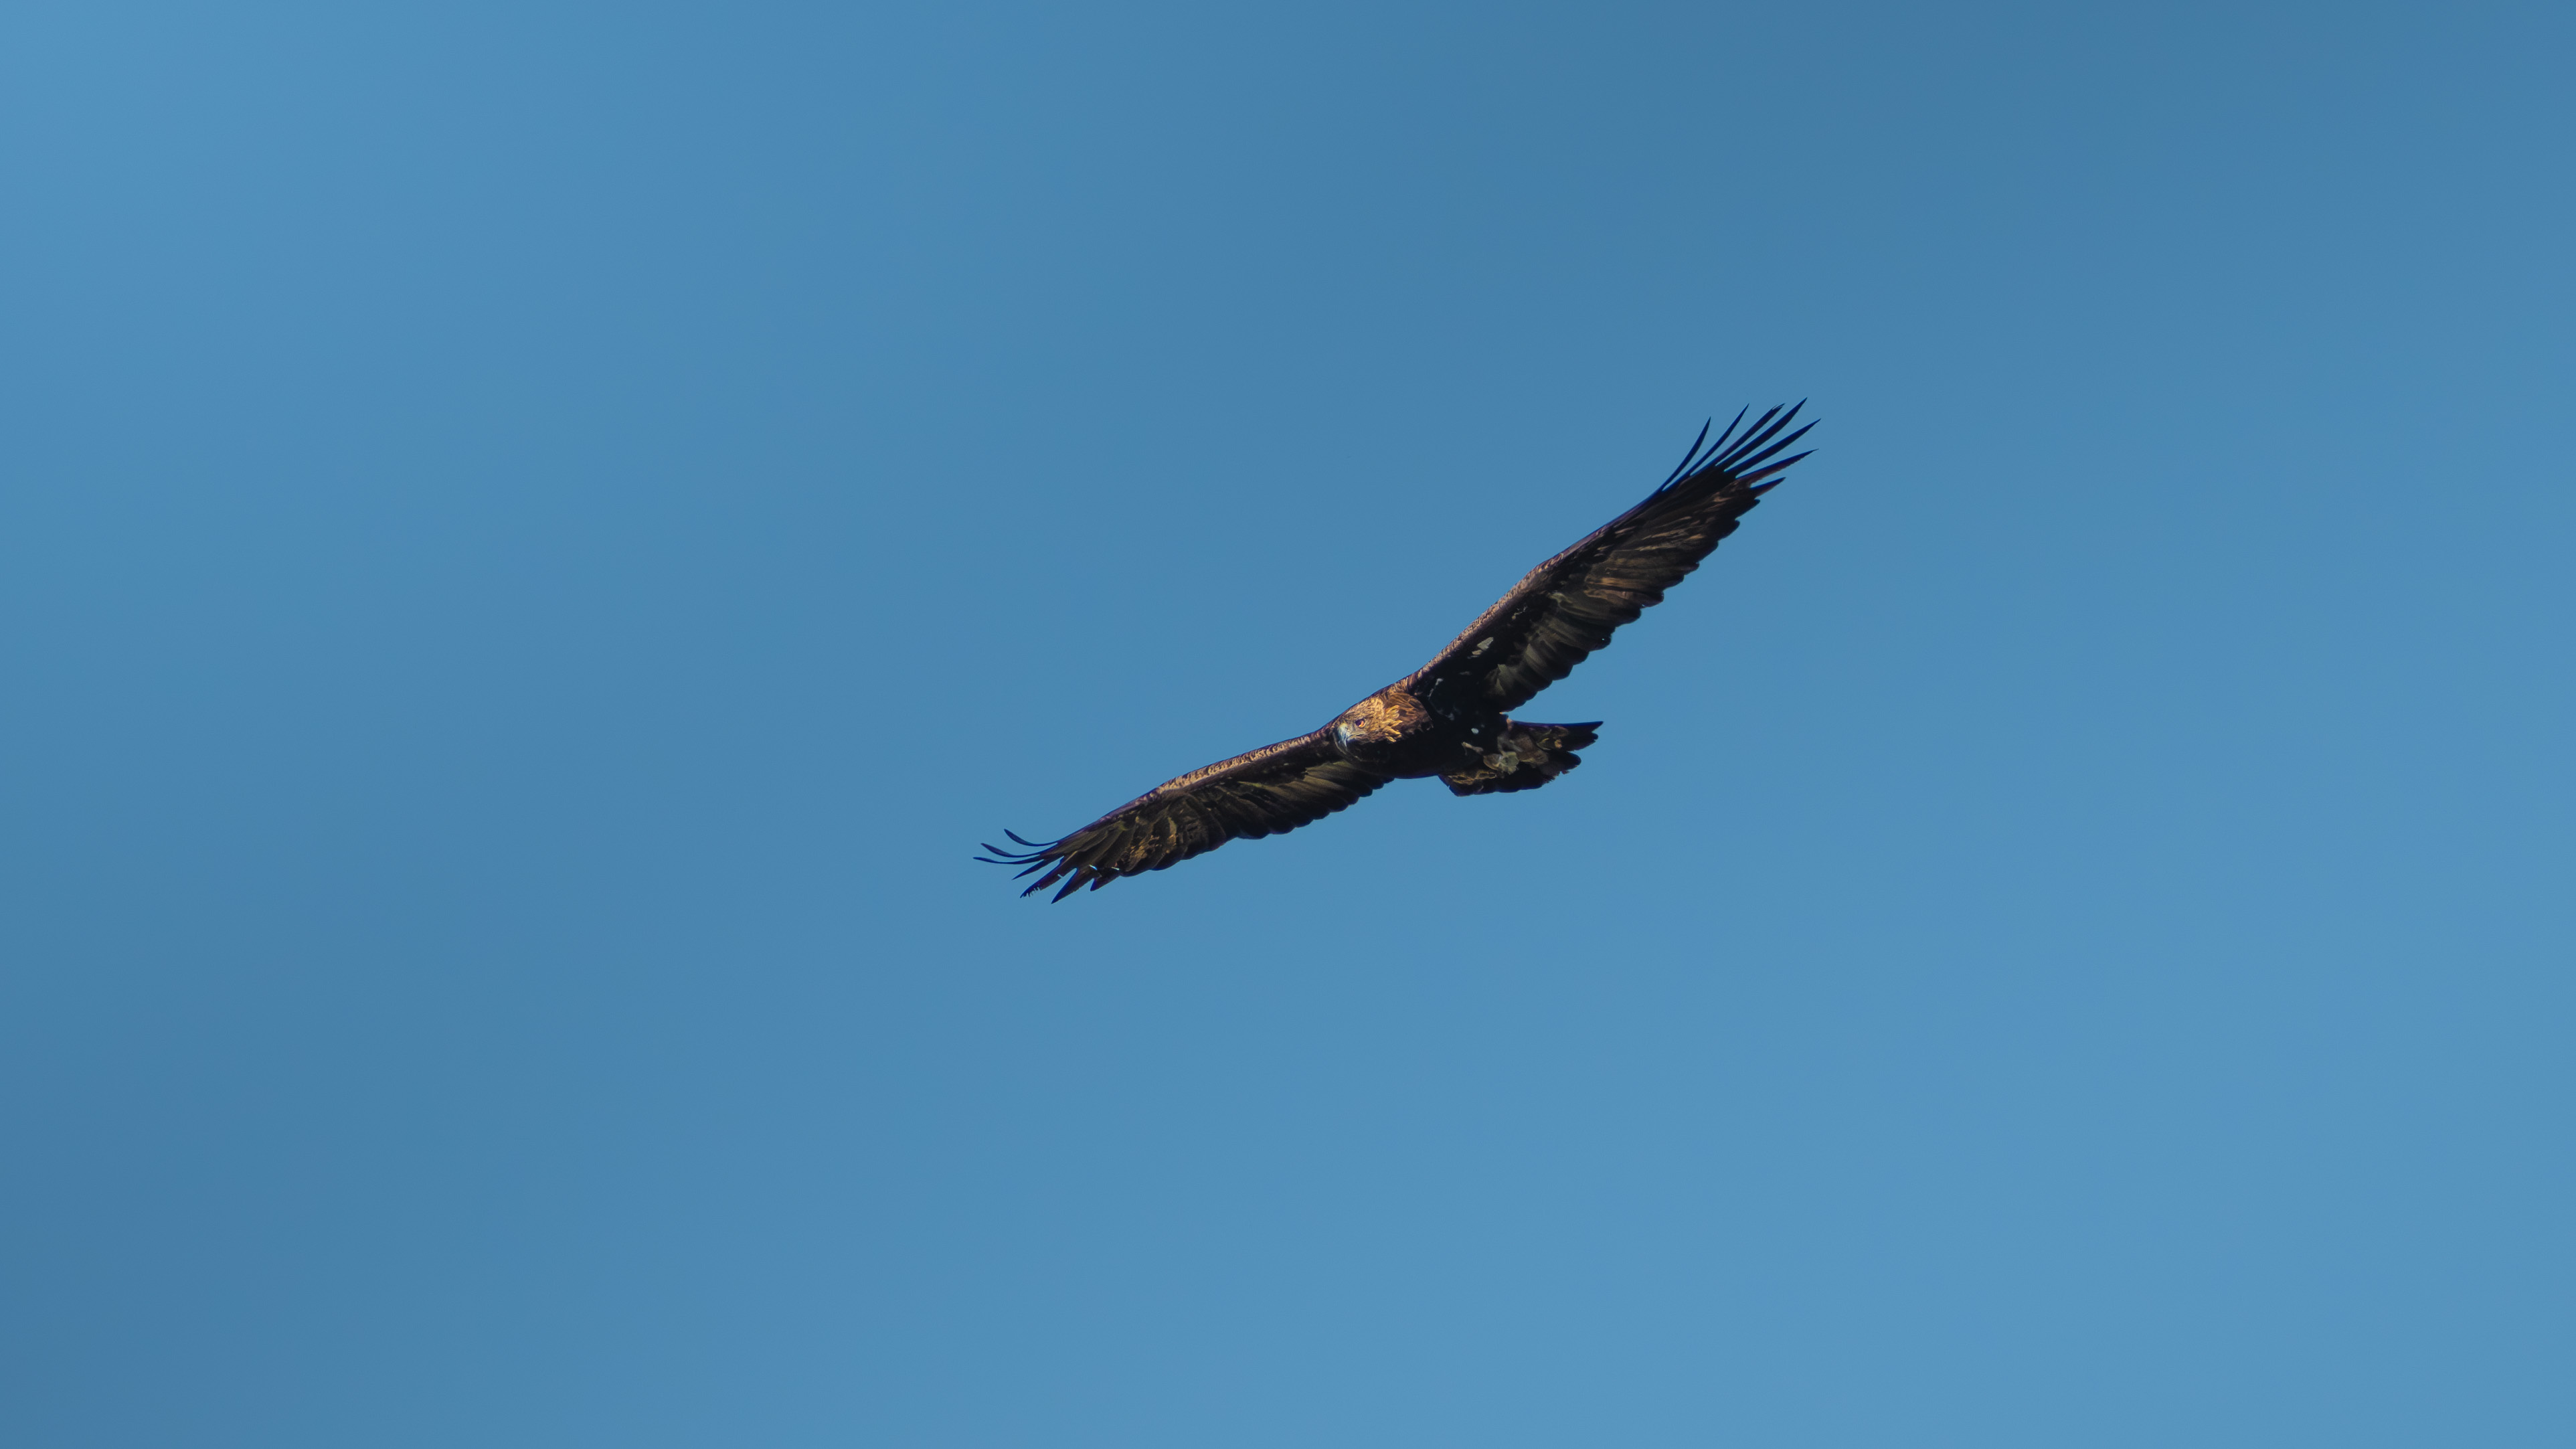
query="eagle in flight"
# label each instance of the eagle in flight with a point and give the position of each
(1448, 717)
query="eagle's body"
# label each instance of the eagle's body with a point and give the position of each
(1395, 734)
(1450, 717)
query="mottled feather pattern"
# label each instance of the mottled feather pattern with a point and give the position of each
(1526, 757)
(1273, 789)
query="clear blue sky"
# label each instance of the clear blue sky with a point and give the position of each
(534, 539)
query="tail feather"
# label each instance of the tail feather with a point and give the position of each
(1525, 757)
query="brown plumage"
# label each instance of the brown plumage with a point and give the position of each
(1449, 718)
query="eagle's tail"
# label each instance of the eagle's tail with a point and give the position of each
(1526, 757)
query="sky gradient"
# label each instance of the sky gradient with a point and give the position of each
(535, 540)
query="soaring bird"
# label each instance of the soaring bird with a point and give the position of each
(1448, 717)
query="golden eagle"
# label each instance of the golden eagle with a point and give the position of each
(1446, 718)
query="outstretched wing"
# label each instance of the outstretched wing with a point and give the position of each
(1566, 607)
(1275, 788)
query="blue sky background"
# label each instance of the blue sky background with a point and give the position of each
(534, 540)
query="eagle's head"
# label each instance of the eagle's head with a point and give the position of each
(1370, 731)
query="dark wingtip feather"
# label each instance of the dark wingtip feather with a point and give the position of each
(1000, 856)
(1751, 465)
(1745, 454)
(1755, 432)
(1730, 430)
(1782, 466)
(1682, 469)
(1763, 430)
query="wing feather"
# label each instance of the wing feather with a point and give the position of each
(1273, 789)
(1567, 608)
